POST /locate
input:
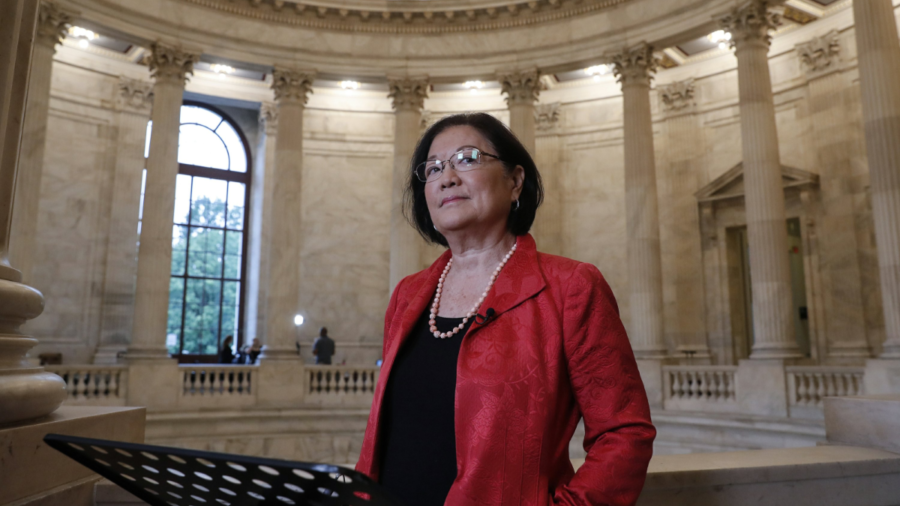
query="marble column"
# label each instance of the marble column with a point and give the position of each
(169, 67)
(770, 276)
(634, 68)
(292, 88)
(844, 312)
(26, 391)
(879, 72)
(408, 97)
(522, 89)
(133, 101)
(549, 156)
(52, 25)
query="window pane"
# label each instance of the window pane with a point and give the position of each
(201, 115)
(233, 247)
(208, 202)
(235, 206)
(173, 328)
(230, 294)
(193, 325)
(198, 145)
(235, 147)
(182, 198)
(179, 249)
(205, 257)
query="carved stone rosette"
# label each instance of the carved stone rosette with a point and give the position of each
(753, 21)
(268, 117)
(546, 116)
(170, 63)
(821, 53)
(292, 85)
(635, 65)
(520, 87)
(408, 92)
(678, 96)
(52, 24)
(134, 95)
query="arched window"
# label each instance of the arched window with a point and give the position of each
(208, 234)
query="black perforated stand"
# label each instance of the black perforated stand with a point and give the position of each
(164, 476)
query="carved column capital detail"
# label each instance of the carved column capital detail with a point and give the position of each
(520, 87)
(753, 21)
(546, 116)
(292, 84)
(678, 96)
(821, 53)
(268, 117)
(170, 63)
(408, 92)
(134, 94)
(635, 65)
(53, 23)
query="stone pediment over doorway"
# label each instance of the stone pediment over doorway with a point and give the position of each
(730, 185)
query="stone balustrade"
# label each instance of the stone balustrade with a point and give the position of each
(699, 388)
(808, 386)
(338, 384)
(95, 385)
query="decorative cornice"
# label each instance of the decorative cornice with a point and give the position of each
(635, 65)
(753, 21)
(268, 117)
(677, 96)
(292, 85)
(821, 53)
(170, 63)
(134, 94)
(408, 93)
(546, 116)
(417, 21)
(520, 86)
(52, 24)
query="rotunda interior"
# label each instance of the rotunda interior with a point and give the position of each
(184, 171)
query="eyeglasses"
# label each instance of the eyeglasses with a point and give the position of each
(465, 159)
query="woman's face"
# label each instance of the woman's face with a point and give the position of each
(472, 200)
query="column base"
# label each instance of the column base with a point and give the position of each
(692, 354)
(140, 354)
(110, 354)
(775, 352)
(891, 349)
(654, 354)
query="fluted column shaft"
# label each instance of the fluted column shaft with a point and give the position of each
(764, 194)
(292, 88)
(879, 73)
(169, 67)
(633, 68)
(52, 25)
(522, 89)
(408, 98)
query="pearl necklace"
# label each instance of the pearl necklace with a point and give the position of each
(437, 299)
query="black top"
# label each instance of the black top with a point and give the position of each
(323, 349)
(226, 356)
(418, 462)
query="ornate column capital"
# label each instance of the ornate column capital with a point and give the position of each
(170, 63)
(678, 96)
(134, 95)
(520, 86)
(820, 54)
(52, 24)
(268, 117)
(546, 116)
(408, 92)
(635, 65)
(752, 22)
(292, 84)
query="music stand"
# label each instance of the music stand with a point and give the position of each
(165, 476)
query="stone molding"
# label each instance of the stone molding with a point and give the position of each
(520, 86)
(53, 23)
(753, 21)
(170, 63)
(546, 116)
(134, 95)
(635, 65)
(292, 85)
(408, 92)
(820, 54)
(268, 117)
(678, 96)
(446, 20)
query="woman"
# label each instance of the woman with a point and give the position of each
(494, 353)
(226, 354)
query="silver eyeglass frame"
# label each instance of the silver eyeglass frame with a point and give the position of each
(443, 165)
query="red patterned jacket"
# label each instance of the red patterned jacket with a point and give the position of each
(555, 351)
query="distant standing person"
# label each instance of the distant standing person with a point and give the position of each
(323, 347)
(226, 354)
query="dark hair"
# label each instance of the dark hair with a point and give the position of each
(505, 145)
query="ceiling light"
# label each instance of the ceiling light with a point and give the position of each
(597, 71)
(83, 35)
(720, 37)
(222, 70)
(350, 85)
(298, 320)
